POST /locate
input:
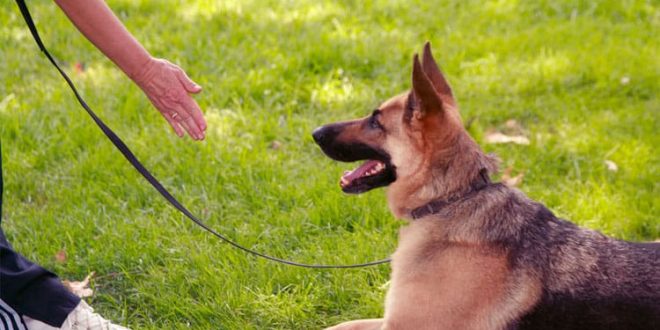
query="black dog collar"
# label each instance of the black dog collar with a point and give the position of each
(433, 207)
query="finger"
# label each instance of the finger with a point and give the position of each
(178, 117)
(175, 125)
(186, 120)
(193, 108)
(181, 122)
(167, 113)
(194, 129)
(188, 84)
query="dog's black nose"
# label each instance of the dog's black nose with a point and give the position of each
(319, 135)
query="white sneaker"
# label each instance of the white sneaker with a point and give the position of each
(81, 318)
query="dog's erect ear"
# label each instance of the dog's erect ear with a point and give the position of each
(427, 98)
(433, 72)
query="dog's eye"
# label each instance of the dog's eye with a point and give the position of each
(373, 120)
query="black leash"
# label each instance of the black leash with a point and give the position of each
(128, 154)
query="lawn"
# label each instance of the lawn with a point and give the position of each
(580, 78)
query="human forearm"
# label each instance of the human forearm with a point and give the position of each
(167, 86)
(100, 25)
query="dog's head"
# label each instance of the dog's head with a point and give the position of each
(403, 139)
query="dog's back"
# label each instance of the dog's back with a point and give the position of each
(590, 281)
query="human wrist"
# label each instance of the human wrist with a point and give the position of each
(141, 70)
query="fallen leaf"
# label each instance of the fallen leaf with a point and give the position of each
(275, 145)
(611, 165)
(60, 256)
(513, 124)
(498, 137)
(79, 67)
(510, 181)
(80, 289)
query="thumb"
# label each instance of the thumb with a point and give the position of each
(188, 84)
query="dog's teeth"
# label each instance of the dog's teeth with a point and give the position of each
(379, 167)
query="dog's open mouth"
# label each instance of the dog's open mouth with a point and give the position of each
(376, 171)
(371, 174)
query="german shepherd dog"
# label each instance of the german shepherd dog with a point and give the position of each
(477, 254)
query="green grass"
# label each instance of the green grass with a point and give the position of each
(272, 71)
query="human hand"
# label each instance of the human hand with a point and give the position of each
(168, 88)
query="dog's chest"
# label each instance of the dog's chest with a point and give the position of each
(423, 246)
(432, 278)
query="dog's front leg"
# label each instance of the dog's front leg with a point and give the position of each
(370, 324)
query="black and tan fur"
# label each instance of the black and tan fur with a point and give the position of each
(490, 258)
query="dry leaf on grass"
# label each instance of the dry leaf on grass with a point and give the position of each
(79, 67)
(275, 145)
(80, 289)
(510, 181)
(511, 132)
(498, 137)
(513, 125)
(60, 256)
(611, 165)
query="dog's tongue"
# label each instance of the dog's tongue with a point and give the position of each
(360, 171)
